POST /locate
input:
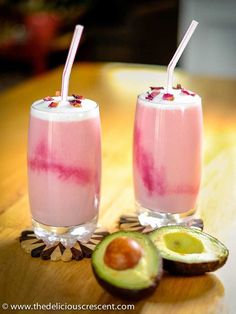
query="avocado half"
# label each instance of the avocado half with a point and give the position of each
(188, 251)
(127, 264)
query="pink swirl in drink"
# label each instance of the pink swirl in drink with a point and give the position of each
(167, 151)
(64, 167)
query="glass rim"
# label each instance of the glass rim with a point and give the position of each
(76, 110)
(168, 104)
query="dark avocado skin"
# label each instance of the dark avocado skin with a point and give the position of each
(129, 294)
(193, 269)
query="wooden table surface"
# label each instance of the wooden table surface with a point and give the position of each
(24, 280)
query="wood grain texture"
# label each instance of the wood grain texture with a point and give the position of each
(115, 86)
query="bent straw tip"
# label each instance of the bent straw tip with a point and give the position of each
(194, 22)
(78, 26)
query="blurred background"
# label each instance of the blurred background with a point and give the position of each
(35, 34)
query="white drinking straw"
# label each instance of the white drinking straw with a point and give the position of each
(69, 62)
(178, 54)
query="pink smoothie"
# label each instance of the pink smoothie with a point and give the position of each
(64, 164)
(167, 152)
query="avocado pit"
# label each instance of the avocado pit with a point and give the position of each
(123, 253)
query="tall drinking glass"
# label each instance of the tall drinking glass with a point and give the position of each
(167, 155)
(64, 169)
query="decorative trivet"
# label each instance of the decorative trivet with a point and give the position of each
(37, 248)
(132, 223)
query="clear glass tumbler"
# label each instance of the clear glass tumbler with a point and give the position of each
(64, 170)
(167, 155)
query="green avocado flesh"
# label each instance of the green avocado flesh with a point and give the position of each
(143, 275)
(183, 243)
(188, 250)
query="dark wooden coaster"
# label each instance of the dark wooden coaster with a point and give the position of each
(37, 248)
(132, 223)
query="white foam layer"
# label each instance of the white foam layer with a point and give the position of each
(180, 101)
(64, 112)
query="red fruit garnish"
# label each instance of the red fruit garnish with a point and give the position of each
(53, 104)
(168, 96)
(186, 92)
(152, 94)
(78, 96)
(159, 87)
(48, 98)
(178, 86)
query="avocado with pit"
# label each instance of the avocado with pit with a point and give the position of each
(127, 264)
(188, 251)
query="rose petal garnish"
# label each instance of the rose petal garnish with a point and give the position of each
(178, 86)
(48, 98)
(78, 96)
(168, 96)
(152, 94)
(186, 92)
(158, 87)
(53, 104)
(75, 103)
